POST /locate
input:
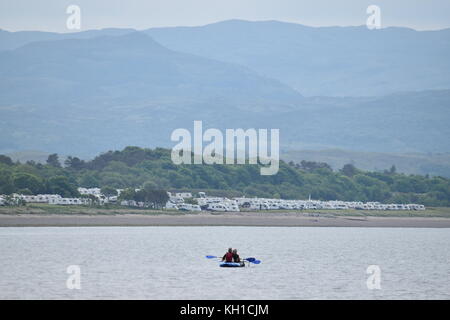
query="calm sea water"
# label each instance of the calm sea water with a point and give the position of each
(169, 263)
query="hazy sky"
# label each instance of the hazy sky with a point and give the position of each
(50, 15)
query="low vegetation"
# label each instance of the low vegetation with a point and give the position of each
(48, 209)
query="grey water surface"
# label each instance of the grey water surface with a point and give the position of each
(170, 263)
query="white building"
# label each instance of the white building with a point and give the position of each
(91, 191)
(171, 205)
(184, 195)
(189, 207)
(40, 198)
(69, 201)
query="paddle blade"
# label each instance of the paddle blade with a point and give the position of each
(256, 261)
(250, 259)
(211, 257)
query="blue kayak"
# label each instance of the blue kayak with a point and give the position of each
(232, 264)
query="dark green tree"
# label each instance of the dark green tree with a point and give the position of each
(28, 181)
(61, 185)
(6, 160)
(393, 170)
(74, 163)
(158, 198)
(6, 182)
(128, 194)
(349, 170)
(312, 165)
(53, 160)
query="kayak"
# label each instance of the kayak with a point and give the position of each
(232, 264)
(250, 260)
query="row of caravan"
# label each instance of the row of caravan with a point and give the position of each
(186, 202)
(248, 204)
(44, 198)
(203, 203)
(279, 204)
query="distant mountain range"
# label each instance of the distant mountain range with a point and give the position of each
(325, 61)
(14, 40)
(79, 93)
(129, 68)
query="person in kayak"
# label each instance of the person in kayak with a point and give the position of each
(236, 257)
(228, 257)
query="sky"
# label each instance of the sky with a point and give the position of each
(50, 15)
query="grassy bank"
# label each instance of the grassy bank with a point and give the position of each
(85, 210)
(36, 209)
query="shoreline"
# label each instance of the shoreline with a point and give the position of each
(223, 219)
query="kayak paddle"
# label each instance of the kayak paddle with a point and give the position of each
(251, 259)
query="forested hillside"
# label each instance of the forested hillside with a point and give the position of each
(134, 166)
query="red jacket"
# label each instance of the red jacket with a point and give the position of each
(228, 257)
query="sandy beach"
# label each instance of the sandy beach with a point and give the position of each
(224, 219)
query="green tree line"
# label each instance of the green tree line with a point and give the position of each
(133, 167)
